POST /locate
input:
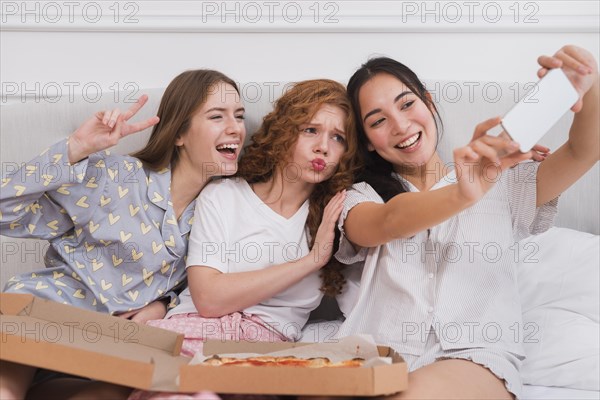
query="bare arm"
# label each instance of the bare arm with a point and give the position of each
(371, 224)
(582, 150)
(216, 294)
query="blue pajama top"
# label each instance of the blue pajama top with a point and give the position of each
(115, 243)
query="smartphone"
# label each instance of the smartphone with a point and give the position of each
(541, 108)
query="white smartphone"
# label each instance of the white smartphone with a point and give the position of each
(541, 108)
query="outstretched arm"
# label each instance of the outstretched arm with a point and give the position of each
(371, 224)
(582, 150)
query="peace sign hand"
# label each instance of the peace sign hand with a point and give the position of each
(105, 129)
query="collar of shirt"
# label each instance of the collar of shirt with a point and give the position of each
(159, 193)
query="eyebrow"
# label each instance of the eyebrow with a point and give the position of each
(396, 99)
(320, 125)
(242, 109)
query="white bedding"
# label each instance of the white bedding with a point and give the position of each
(324, 330)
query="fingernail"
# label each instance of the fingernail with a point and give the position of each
(514, 145)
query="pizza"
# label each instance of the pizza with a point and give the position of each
(290, 361)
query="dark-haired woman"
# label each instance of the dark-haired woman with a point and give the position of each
(439, 280)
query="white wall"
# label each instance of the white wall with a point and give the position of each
(58, 47)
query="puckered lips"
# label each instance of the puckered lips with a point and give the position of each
(318, 164)
(229, 150)
(410, 142)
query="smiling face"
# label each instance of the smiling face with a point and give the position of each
(216, 134)
(320, 145)
(399, 125)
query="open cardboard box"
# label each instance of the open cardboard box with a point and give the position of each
(55, 336)
(373, 381)
(68, 339)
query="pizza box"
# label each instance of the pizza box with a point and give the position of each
(364, 381)
(68, 339)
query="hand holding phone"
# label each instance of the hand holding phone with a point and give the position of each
(537, 112)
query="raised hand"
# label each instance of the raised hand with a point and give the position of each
(578, 64)
(105, 129)
(323, 247)
(480, 163)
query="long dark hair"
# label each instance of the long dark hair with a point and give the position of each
(377, 172)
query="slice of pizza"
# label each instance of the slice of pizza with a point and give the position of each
(289, 361)
(355, 362)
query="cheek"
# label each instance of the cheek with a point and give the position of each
(377, 140)
(423, 115)
(337, 152)
(243, 131)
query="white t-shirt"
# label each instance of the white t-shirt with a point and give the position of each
(234, 231)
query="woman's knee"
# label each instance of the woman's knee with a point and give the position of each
(454, 379)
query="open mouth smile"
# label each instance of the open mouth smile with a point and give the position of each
(228, 150)
(410, 142)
